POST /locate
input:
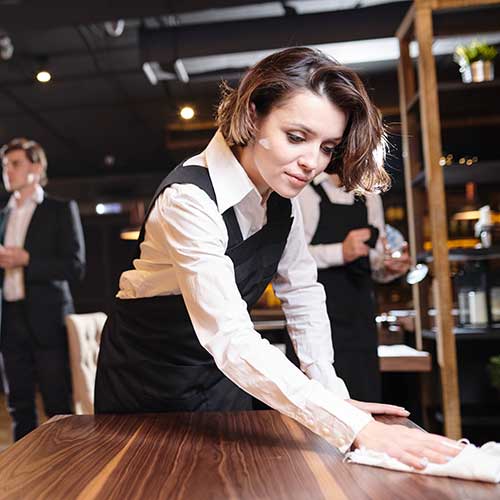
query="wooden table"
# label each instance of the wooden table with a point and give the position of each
(245, 455)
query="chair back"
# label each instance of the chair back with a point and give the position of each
(84, 336)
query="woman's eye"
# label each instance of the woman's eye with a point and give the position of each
(295, 138)
(329, 150)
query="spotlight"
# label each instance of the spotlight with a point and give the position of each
(180, 71)
(43, 76)
(6, 47)
(42, 73)
(114, 29)
(187, 112)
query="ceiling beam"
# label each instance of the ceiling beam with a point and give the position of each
(168, 44)
(27, 15)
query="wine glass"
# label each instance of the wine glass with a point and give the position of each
(394, 247)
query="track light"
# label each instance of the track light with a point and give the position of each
(114, 29)
(6, 47)
(180, 71)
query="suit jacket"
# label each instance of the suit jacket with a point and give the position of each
(55, 242)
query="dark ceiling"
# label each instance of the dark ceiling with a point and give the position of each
(100, 116)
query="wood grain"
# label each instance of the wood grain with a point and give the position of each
(245, 455)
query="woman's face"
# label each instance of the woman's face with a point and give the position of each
(294, 143)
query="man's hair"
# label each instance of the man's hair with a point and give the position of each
(358, 159)
(34, 152)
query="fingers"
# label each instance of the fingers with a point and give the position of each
(414, 461)
(413, 447)
(379, 408)
(362, 234)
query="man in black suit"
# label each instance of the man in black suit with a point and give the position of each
(43, 250)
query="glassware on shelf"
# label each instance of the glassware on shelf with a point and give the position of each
(478, 309)
(472, 295)
(394, 247)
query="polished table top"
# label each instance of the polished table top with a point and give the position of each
(245, 455)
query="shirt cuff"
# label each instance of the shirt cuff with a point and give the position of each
(336, 420)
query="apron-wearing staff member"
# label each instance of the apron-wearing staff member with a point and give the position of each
(346, 236)
(222, 226)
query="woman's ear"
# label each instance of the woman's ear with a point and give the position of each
(253, 112)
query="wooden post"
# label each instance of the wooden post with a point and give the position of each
(431, 138)
(406, 76)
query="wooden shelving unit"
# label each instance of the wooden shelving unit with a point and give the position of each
(421, 126)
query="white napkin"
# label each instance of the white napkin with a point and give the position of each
(479, 464)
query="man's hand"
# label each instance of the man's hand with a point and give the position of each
(12, 257)
(354, 245)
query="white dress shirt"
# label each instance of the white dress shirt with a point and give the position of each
(15, 233)
(330, 255)
(184, 252)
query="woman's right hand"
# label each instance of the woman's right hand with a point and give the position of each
(413, 447)
(354, 245)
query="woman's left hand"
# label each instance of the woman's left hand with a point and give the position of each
(379, 408)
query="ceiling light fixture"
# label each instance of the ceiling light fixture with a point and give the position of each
(155, 73)
(114, 29)
(6, 47)
(187, 113)
(180, 71)
(42, 73)
(43, 76)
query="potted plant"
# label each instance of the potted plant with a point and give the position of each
(494, 371)
(476, 61)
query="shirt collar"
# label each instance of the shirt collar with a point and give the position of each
(320, 178)
(37, 197)
(229, 179)
(327, 178)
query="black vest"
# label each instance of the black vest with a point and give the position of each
(150, 358)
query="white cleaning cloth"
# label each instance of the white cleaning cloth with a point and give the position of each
(479, 464)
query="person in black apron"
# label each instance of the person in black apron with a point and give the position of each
(344, 240)
(220, 228)
(350, 300)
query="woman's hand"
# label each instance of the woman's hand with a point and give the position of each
(354, 245)
(379, 408)
(413, 447)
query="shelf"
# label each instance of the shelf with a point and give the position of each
(464, 254)
(454, 87)
(467, 333)
(461, 87)
(487, 172)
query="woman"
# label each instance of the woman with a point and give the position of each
(345, 234)
(222, 226)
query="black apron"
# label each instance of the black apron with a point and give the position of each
(350, 301)
(150, 359)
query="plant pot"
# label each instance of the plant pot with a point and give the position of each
(478, 71)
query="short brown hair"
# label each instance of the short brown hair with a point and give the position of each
(34, 152)
(359, 157)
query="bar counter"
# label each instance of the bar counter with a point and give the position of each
(243, 455)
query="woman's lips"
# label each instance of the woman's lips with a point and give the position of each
(297, 179)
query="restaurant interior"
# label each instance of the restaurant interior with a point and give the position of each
(118, 94)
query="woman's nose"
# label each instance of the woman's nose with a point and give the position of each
(309, 160)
